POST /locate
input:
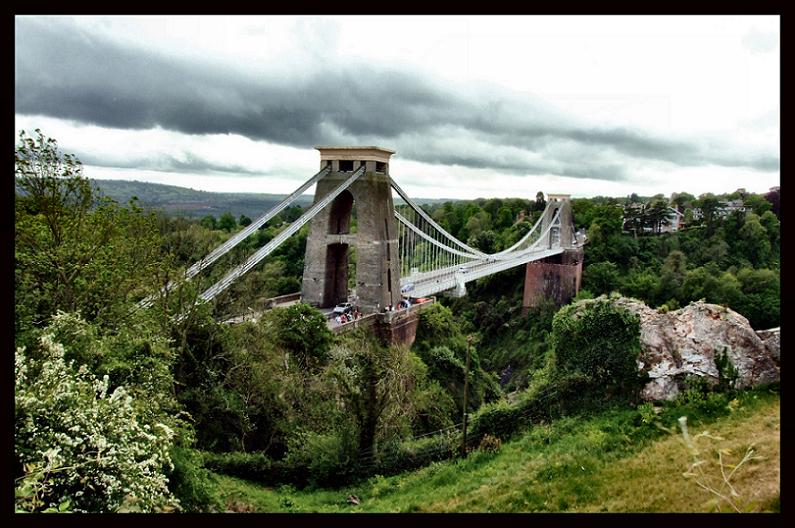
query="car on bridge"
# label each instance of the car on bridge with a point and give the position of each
(343, 308)
(407, 288)
(463, 269)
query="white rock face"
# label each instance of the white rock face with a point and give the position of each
(772, 340)
(684, 342)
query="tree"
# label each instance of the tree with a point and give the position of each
(609, 220)
(227, 222)
(477, 223)
(505, 218)
(244, 221)
(302, 330)
(774, 197)
(209, 222)
(773, 227)
(709, 205)
(755, 241)
(74, 251)
(485, 241)
(657, 214)
(682, 200)
(672, 276)
(634, 219)
(761, 297)
(540, 202)
(601, 277)
(83, 446)
(757, 203)
(641, 284)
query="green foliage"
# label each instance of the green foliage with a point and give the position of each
(582, 295)
(568, 464)
(755, 241)
(398, 457)
(227, 222)
(376, 384)
(648, 413)
(760, 297)
(250, 466)
(601, 277)
(544, 398)
(672, 276)
(605, 222)
(81, 444)
(441, 344)
(329, 459)
(73, 251)
(189, 481)
(727, 372)
(600, 341)
(302, 330)
(641, 284)
(209, 222)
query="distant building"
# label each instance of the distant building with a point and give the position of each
(676, 221)
(724, 210)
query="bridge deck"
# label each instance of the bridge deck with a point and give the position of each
(425, 284)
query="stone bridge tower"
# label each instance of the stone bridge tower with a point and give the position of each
(325, 281)
(555, 278)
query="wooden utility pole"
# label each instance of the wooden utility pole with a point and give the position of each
(466, 389)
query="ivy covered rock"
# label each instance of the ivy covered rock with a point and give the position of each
(702, 339)
(597, 341)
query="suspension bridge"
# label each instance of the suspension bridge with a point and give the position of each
(400, 251)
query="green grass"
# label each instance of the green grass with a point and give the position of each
(609, 462)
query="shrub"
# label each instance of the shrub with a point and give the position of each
(250, 466)
(599, 341)
(302, 330)
(489, 444)
(406, 456)
(78, 445)
(501, 420)
(191, 482)
(727, 372)
(328, 458)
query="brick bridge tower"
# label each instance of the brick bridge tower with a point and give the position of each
(325, 281)
(555, 278)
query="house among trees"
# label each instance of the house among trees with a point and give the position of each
(723, 209)
(654, 217)
(676, 221)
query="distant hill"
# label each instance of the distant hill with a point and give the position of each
(181, 201)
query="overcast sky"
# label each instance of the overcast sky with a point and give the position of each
(474, 106)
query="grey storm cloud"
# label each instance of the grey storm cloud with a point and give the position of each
(65, 72)
(185, 162)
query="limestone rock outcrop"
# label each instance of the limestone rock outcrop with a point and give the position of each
(685, 341)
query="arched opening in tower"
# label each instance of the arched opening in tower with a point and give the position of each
(336, 290)
(341, 214)
(340, 256)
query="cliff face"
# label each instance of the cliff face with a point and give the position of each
(684, 342)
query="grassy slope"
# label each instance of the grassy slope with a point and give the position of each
(606, 463)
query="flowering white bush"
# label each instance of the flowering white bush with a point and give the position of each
(81, 448)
